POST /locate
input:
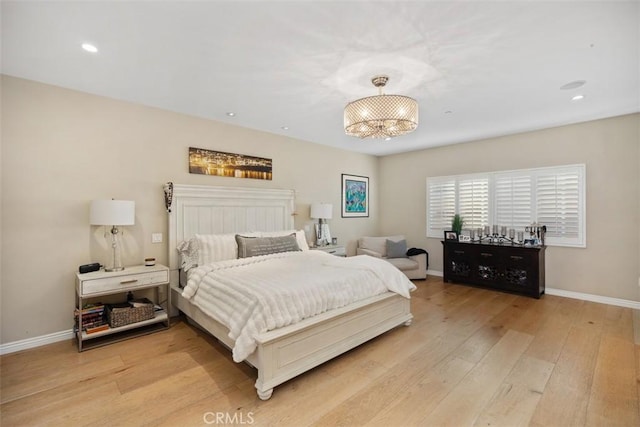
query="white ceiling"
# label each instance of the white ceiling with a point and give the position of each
(478, 69)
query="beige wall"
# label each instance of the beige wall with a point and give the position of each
(610, 150)
(61, 149)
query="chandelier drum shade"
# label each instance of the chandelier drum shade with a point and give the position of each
(381, 116)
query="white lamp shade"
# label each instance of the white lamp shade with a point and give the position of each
(321, 210)
(112, 212)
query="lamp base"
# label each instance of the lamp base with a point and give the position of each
(323, 235)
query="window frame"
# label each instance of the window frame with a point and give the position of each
(574, 202)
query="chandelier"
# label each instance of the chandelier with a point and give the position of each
(381, 116)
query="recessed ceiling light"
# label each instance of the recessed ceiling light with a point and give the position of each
(577, 98)
(573, 85)
(448, 112)
(89, 47)
(285, 128)
(231, 114)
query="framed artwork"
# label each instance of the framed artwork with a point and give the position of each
(219, 163)
(355, 196)
(450, 235)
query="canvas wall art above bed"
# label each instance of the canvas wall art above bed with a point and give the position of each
(279, 306)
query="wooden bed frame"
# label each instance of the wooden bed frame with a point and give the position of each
(286, 352)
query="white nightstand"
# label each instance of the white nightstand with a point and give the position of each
(92, 286)
(336, 250)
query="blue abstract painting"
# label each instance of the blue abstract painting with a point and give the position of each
(355, 196)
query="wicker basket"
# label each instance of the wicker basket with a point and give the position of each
(124, 314)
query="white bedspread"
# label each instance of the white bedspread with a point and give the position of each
(254, 295)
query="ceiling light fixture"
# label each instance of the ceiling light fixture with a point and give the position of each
(231, 114)
(577, 98)
(89, 47)
(381, 116)
(573, 85)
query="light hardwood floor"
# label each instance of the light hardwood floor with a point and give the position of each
(471, 357)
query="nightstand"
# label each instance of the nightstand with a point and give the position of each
(331, 249)
(98, 285)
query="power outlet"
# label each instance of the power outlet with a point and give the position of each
(156, 237)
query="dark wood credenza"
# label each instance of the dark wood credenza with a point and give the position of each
(504, 267)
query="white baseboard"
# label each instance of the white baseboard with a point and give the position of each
(25, 344)
(594, 298)
(577, 295)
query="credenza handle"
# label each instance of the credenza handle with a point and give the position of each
(458, 252)
(486, 255)
(516, 258)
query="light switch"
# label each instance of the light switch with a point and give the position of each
(156, 237)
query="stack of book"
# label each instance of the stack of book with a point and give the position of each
(93, 318)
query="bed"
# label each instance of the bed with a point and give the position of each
(288, 351)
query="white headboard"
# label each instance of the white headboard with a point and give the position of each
(200, 209)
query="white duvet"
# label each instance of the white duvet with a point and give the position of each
(254, 295)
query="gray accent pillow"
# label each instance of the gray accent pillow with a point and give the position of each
(396, 249)
(256, 246)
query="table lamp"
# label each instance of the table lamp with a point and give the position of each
(113, 213)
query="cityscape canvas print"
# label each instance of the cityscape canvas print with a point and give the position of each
(355, 196)
(218, 163)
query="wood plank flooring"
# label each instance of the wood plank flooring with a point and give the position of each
(472, 357)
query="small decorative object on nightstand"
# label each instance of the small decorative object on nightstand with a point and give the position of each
(91, 287)
(336, 250)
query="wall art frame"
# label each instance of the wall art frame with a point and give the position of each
(451, 235)
(219, 163)
(355, 196)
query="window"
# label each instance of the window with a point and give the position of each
(473, 201)
(553, 196)
(512, 200)
(442, 194)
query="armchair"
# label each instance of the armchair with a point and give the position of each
(393, 249)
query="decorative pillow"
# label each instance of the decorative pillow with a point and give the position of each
(216, 247)
(188, 251)
(396, 249)
(256, 246)
(301, 237)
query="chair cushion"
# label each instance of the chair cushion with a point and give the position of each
(403, 264)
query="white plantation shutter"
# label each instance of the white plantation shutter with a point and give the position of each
(560, 206)
(473, 201)
(441, 205)
(554, 197)
(513, 200)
